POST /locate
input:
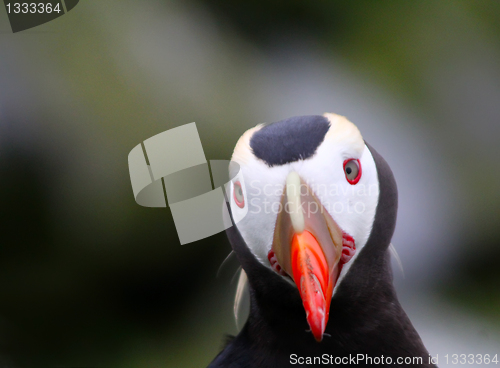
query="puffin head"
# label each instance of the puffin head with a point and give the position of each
(304, 203)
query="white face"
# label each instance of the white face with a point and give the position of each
(351, 204)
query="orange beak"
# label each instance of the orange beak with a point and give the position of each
(313, 279)
(308, 246)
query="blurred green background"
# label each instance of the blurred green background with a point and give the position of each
(90, 278)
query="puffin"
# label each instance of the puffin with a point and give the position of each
(314, 209)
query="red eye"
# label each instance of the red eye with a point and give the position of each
(352, 170)
(238, 195)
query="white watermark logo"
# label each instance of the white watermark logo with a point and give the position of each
(170, 169)
(174, 163)
(357, 359)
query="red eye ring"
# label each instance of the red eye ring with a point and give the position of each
(356, 179)
(238, 197)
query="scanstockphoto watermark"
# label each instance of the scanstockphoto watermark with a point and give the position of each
(357, 359)
(359, 190)
(352, 199)
(263, 205)
(170, 170)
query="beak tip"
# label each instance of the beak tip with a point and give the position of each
(317, 324)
